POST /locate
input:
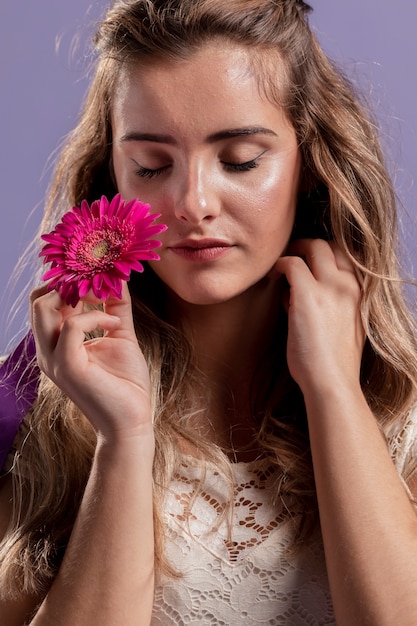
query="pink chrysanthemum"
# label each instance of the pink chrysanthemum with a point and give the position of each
(95, 248)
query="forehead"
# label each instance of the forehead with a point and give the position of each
(218, 80)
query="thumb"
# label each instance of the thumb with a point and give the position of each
(121, 307)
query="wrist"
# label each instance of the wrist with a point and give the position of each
(334, 391)
(327, 379)
(137, 443)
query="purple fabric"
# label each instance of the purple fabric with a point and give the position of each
(19, 377)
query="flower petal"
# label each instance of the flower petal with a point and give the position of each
(96, 247)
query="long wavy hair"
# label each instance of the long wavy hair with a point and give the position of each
(348, 197)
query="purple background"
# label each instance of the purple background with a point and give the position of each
(43, 81)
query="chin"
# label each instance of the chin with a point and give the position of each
(215, 290)
(204, 299)
(204, 296)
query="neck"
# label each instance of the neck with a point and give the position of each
(230, 338)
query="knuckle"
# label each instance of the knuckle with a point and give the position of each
(70, 324)
(36, 295)
(295, 262)
(36, 305)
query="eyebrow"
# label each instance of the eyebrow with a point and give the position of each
(219, 136)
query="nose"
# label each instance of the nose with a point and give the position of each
(196, 199)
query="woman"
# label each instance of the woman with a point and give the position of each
(259, 400)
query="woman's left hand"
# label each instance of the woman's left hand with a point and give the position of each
(325, 331)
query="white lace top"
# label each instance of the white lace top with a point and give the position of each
(246, 578)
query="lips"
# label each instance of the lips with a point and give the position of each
(201, 250)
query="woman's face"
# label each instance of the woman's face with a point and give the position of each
(195, 139)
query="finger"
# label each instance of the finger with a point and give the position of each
(37, 293)
(48, 311)
(68, 356)
(75, 328)
(318, 254)
(121, 308)
(344, 262)
(296, 271)
(52, 298)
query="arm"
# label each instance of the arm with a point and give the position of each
(369, 526)
(107, 574)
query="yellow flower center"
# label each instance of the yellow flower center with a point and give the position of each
(100, 249)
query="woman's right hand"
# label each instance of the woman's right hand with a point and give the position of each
(107, 377)
(108, 567)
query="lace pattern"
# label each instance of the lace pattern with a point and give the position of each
(237, 571)
(402, 442)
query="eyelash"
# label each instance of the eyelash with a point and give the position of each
(241, 167)
(144, 172)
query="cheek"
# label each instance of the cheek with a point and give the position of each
(280, 193)
(269, 205)
(277, 179)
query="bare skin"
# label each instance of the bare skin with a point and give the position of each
(369, 527)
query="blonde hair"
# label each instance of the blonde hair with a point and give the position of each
(349, 197)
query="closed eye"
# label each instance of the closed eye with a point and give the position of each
(246, 166)
(243, 167)
(146, 172)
